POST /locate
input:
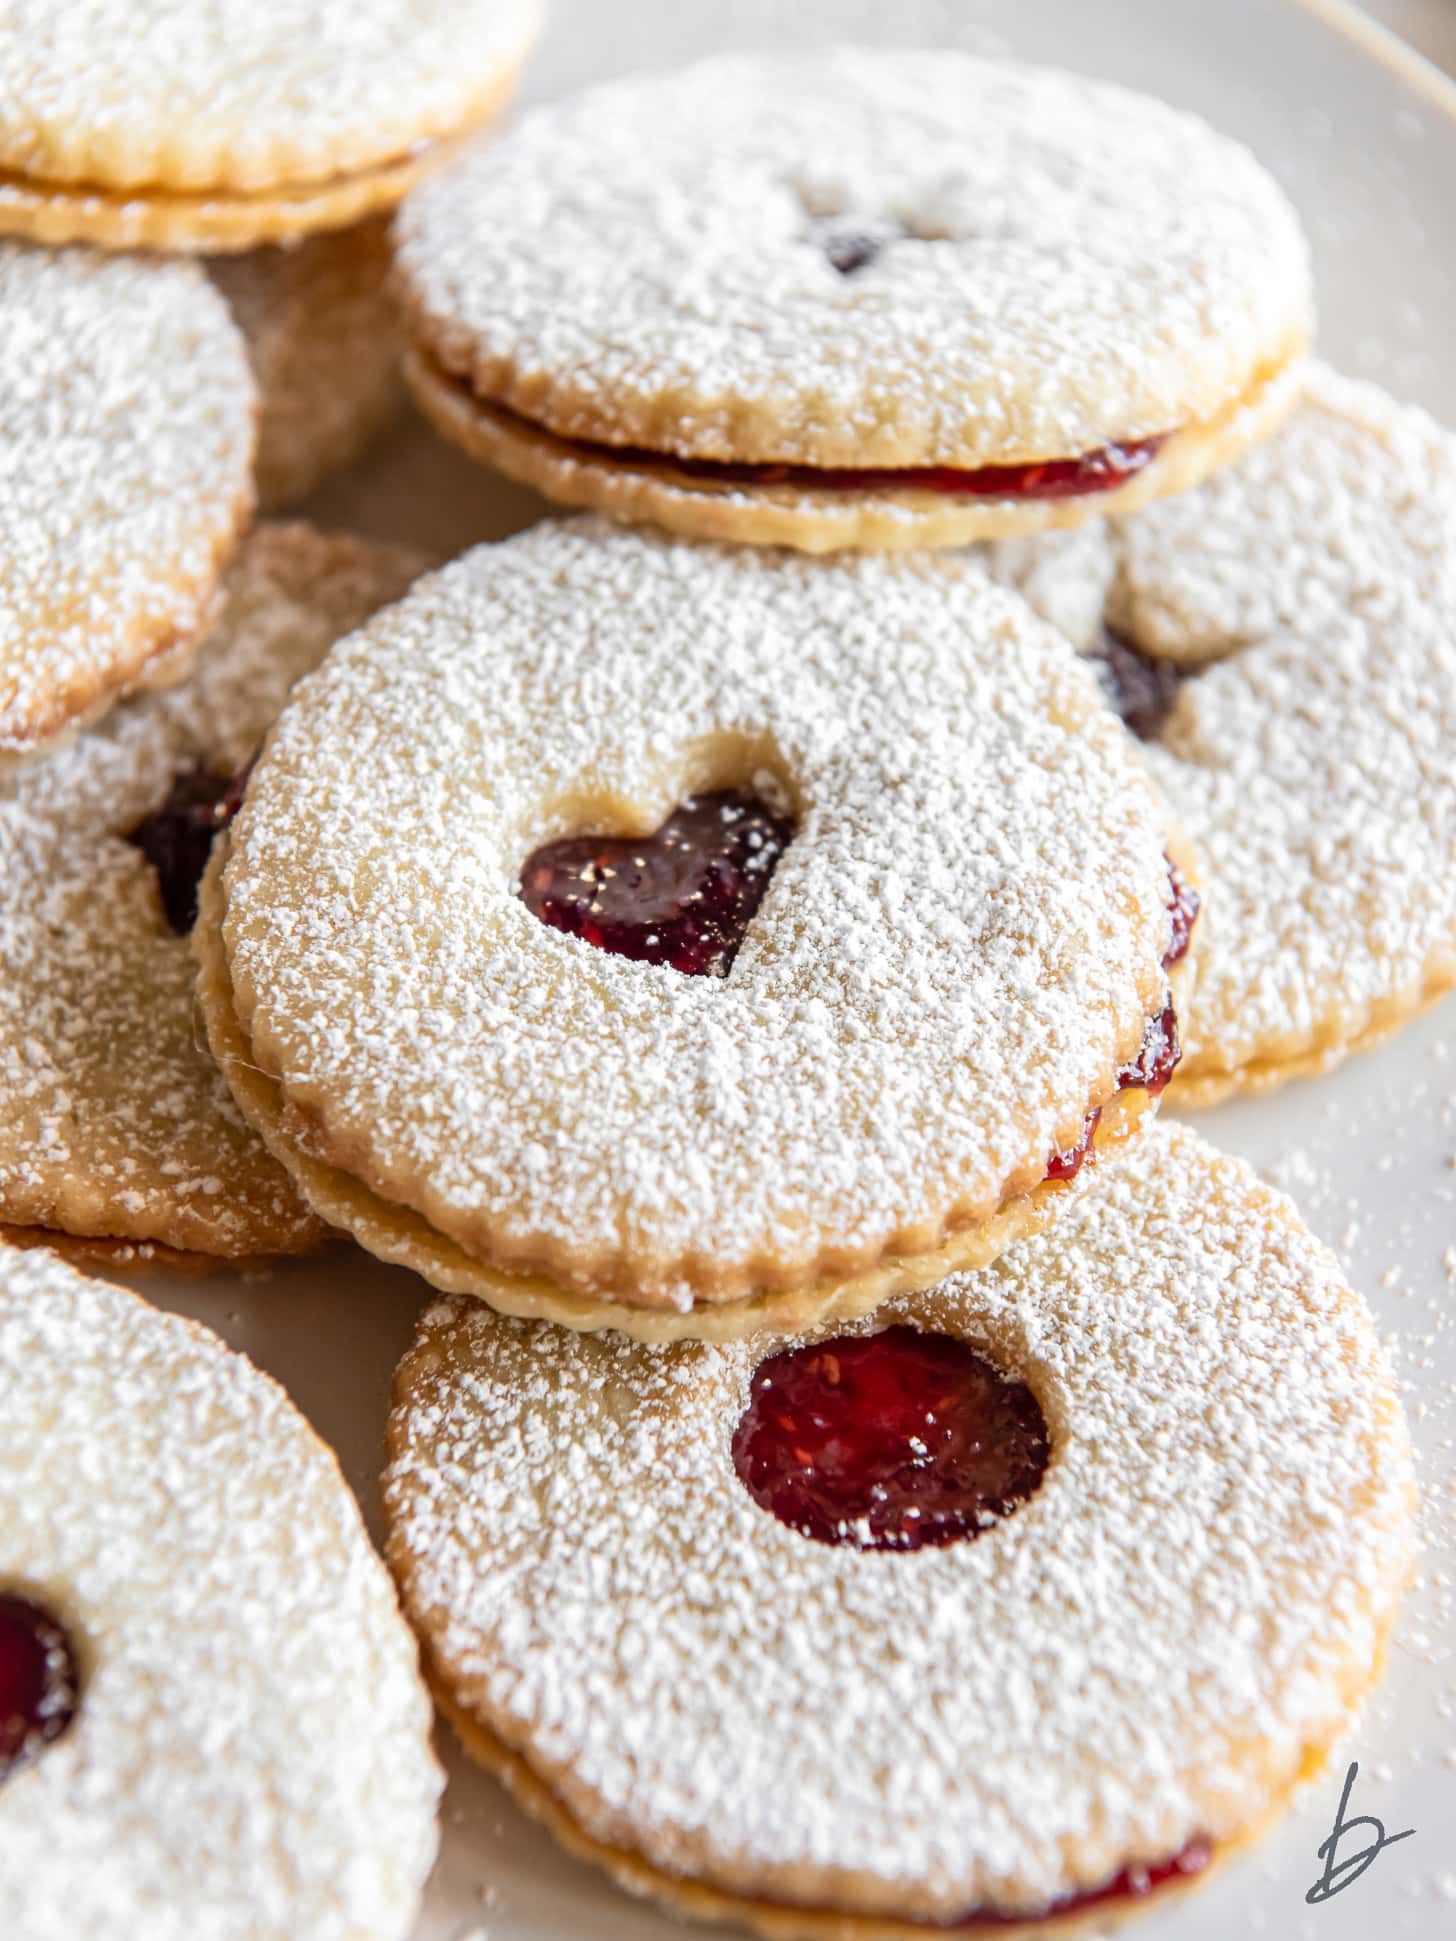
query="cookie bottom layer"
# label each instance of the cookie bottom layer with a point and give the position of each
(699, 1900)
(404, 1238)
(827, 520)
(106, 1254)
(1204, 1083)
(220, 221)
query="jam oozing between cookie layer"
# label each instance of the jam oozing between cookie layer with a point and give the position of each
(1079, 476)
(39, 1681)
(1161, 1048)
(1133, 1883)
(1184, 903)
(177, 838)
(890, 1441)
(683, 896)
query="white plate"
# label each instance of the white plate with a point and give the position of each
(1368, 150)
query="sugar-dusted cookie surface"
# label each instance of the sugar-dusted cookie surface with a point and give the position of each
(1285, 640)
(848, 1732)
(957, 960)
(324, 349)
(244, 1742)
(220, 124)
(126, 444)
(865, 299)
(114, 1122)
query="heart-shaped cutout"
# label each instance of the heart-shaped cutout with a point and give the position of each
(683, 896)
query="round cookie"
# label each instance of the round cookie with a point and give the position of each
(237, 1742)
(960, 956)
(223, 124)
(863, 298)
(114, 1123)
(325, 353)
(1285, 641)
(855, 1727)
(126, 444)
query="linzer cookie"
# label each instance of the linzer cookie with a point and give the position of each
(1284, 641)
(834, 1638)
(126, 444)
(115, 1127)
(221, 124)
(858, 299)
(324, 350)
(211, 1716)
(688, 939)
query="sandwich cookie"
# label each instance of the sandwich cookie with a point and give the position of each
(859, 299)
(1283, 641)
(834, 1638)
(211, 1716)
(115, 1127)
(325, 353)
(222, 124)
(126, 447)
(688, 939)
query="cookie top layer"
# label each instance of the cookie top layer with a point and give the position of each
(126, 444)
(1309, 595)
(1054, 264)
(251, 1754)
(242, 94)
(113, 1119)
(960, 946)
(958, 1728)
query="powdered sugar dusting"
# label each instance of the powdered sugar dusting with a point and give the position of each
(1061, 264)
(1309, 762)
(126, 430)
(959, 947)
(961, 1727)
(113, 1119)
(251, 1754)
(203, 94)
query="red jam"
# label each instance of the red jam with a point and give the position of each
(39, 1681)
(1102, 470)
(684, 896)
(1141, 687)
(1184, 903)
(891, 1441)
(177, 838)
(1133, 1883)
(1067, 1161)
(1161, 1049)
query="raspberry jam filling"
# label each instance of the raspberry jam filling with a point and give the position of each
(1081, 476)
(891, 1441)
(1140, 687)
(1161, 1049)
(39, 1681)
(1133, 1883)
(177, 838)
(683, 896)
(1184, 903)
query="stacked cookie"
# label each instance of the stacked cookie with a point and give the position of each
(271, 140)
(868, 1473)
